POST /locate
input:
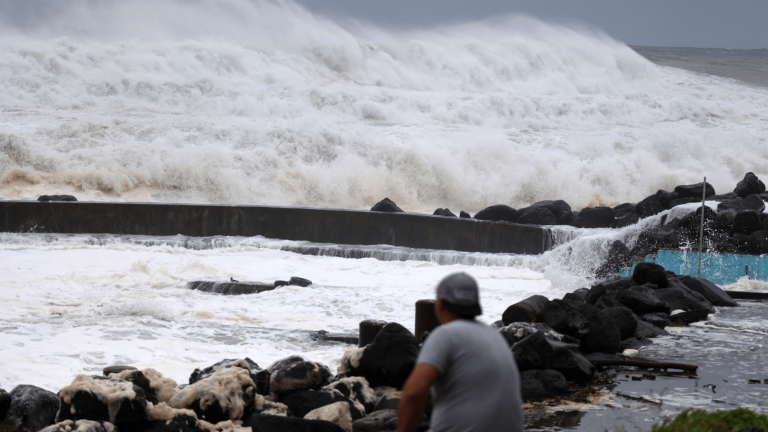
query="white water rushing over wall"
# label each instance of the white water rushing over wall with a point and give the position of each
(233, 101)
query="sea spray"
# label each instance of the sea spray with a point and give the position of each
(163, 102)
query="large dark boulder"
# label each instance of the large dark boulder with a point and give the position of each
(619, 256)
(734, 206)
(694, 190)
(304, 375)
(680, 297)
(304, 401)
(624, 319)
(464, 215)
(386, 205)
(658, 237)
(603, 335)
(49, 198)
(649, 206)
(665, 198)
(498, 213)
(647, 330)
(388, 360)
(534, 352)
(265, 423)
(642, 300)
(525, 310)
(542, 384)
(761, 238)
(385, 420)
(713, 293)
(444, 212)
(681, 201)
(537, 216)
(86, 399)
(596, 217)
(559, 208)
(647, 272)
(746, 222)
(574, 366)
(603, 288)
(659, 319)
(5, 404)
(749, 185)
(225, 395)
(32, 408)
(625, 219)
(563, 316)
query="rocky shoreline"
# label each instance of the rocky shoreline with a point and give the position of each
(561, 347)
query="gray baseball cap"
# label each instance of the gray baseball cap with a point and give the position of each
(460, 294)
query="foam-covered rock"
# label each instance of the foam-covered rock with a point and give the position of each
(157, 388)
(387, 361)
(516, 332)
(102, 399)
(337, 413)
(542, 384)
(259, 376)
(180, 423)
(32, 408)
(303, 375)
(80, 426)
(225, 395)
(302, 402)
(264, 406)
(386, 205)
(260, 423)
(387, 398)
(356, 389)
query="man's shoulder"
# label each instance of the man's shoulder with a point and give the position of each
(462, 327)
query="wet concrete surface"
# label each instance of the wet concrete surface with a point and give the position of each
(730, 350)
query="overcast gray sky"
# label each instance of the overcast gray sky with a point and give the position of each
(681, 23)
(687, 23)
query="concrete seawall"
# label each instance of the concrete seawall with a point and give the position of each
(287, 223)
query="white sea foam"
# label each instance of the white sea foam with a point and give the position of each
(232, 101)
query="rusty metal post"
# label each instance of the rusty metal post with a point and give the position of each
(368, 331)
(426, 319)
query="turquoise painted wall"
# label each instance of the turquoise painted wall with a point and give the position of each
(722, 269)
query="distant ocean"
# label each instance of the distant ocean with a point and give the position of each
(747, 65)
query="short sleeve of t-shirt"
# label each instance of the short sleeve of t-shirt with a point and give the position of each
(437, 350)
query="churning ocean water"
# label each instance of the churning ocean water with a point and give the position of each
(242, 102)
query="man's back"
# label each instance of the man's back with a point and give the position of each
(479, 385)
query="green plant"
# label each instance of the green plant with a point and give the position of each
(738, 420)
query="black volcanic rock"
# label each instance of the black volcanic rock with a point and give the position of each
(498, 213)
(387, 205)
(559, 208)
(749, 185)
(537, 216)
(596, 217)
(694, 190)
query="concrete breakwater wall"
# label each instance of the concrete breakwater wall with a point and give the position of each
(287, 223)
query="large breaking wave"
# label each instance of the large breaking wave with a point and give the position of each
(232, 101)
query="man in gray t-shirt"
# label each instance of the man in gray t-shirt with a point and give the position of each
(476, 381)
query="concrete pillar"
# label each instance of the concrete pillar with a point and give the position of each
(368, 331)
(426, 319)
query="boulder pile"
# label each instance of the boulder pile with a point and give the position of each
(739, 225)
(556, 343)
